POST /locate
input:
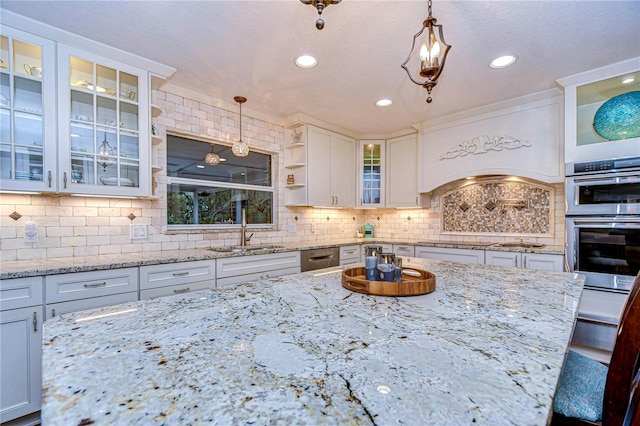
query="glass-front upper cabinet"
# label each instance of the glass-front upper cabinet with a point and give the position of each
(371, 173)
(27, 112)
(104, 126)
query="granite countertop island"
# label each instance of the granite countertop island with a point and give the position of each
(485, 348)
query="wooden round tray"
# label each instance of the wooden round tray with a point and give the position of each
(414, 282)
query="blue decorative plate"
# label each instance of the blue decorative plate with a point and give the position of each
(619, 117)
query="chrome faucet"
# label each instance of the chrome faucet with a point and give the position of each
(243, 230)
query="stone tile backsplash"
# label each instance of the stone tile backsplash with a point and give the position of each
(499, 207)
(88, 226)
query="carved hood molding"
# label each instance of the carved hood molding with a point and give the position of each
(484, 144)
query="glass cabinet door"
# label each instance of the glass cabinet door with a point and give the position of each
(104, 130)
(27, 144)
(371, 173)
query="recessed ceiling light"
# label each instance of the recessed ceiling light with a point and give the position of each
(384, 102)
(306, 61)
(503, 61)
(628, 79)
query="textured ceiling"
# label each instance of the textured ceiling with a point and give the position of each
(227, 48)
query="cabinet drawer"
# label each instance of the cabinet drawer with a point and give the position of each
(20, 293)
(225, 282)
(176, 289)
(404, 250)
(82, 285)
(170, 274)
(452, 254)
(349, 254)
(244, 265)
(55, 309)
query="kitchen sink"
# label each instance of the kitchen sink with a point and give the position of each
(519, 244)
(239, 249)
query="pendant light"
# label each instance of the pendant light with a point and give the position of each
(212, 158)
(320, 5)
(240, 148)
(431, 52)
(105, 151)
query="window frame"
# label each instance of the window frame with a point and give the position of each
(224, 185)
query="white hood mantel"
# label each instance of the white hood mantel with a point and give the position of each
(524, 140)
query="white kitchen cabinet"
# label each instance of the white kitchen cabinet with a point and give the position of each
(330, 166)
(87, 290)
(452, 254)
(20, 347)
(176, 278)
(540, 261)
(27, 111)
(402, 173)
(104, 124)
(404, 250)
(584, 94)
(233, 270)
(350, 254)
(371, 173)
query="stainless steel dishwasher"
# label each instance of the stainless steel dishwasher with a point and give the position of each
(319, 258)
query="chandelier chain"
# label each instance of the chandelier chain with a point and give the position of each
(429, 7)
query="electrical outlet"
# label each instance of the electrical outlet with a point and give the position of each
(30, 232)
(138, 232)
(405, 226)
(313, 227)
(291, 227)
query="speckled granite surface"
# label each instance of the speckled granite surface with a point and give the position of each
(63, 265)
(485, 348)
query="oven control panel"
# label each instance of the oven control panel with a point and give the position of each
(613, 165)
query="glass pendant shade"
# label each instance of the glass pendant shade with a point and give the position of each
(105, 153)
(212, 159)
(240, 148)
(428, 54)
(619, 117)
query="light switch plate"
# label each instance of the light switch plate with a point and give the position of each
(138, 232)
(291, 227)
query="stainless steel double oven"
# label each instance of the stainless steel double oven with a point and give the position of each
(603, 241)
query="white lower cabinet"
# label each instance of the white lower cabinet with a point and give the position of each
(541, 261)
(350, 254)
(452, 254)
(78, 291)
(234, 270)
(20, 347)
(176, 278)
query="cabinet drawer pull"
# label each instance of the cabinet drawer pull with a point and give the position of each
(35, 321)
(53, 312)
(418, 200)
(64, 179)
(524, 262)
(184, 290)
(516, 259)
(95, 285)
(49, 178)
(350, 251)
(181, 274)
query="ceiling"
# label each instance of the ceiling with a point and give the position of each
(239, 47)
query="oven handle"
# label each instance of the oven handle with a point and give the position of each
(632, 221)
(621, 177)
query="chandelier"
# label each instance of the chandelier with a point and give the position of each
(432, 53)
(240, 148)
(320, 5)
